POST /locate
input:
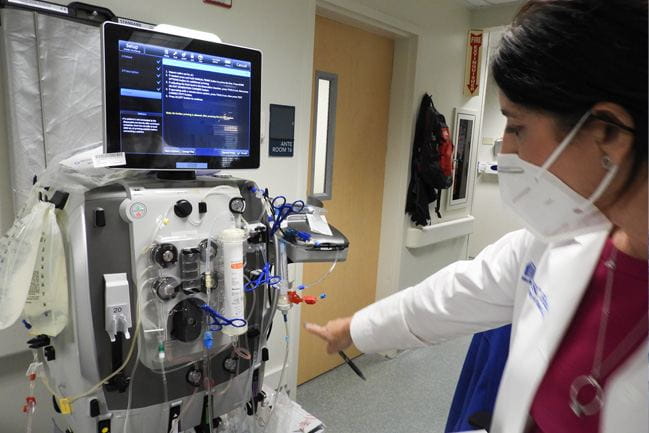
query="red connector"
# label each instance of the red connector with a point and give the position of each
(30, 403)
(294, 298)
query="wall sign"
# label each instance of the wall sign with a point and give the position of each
(473, 56)
(281, 135)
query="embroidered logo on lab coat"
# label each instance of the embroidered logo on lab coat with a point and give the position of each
(535, 293)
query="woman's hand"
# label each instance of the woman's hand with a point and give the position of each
(336, 333)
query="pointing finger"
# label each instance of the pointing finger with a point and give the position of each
(318, 330)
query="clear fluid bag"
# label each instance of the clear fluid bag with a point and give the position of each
(46, 306)
(18, 253)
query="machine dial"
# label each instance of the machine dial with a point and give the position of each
(166, 288)
(183, 208)
(186, 320)
(165, 255)
(237, 205)
(194, 377)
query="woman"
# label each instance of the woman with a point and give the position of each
(573, 81)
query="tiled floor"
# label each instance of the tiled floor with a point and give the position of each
(411, 393)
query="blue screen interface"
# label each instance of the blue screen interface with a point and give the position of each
(183, 103)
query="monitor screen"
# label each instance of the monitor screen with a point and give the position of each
(176, 103)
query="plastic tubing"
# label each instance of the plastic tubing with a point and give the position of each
(174, 369)
(232, 375)
(271, 315)
(165, 387)
(185, 408)
(134, 341)
(159, 225)
(251, 372)
(130, 392)
(281, 375)
(219, 190)
(209, 281)
(32, 407)
(222, 190)
(99, 384)
(281, 266)
(116, 372)
(254, 302)
(208, 386)
(325, 275)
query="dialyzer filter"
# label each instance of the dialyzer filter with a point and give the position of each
(231, 243)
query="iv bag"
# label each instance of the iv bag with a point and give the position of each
(46, 307)
(18, 251)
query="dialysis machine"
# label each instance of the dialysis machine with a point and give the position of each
(174, 278)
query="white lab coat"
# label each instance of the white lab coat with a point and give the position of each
(489, 291)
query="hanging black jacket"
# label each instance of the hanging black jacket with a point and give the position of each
(427, 179)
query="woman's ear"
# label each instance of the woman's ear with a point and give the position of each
(613, 128)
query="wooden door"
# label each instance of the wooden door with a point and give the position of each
(363, 63)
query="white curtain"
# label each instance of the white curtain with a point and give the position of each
(52, 68)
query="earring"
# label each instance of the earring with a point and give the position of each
(606, 162)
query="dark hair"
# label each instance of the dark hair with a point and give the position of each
(564, 56)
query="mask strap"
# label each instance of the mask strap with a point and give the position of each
(564, 143)
(603, 185)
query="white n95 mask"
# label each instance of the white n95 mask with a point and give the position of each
(549, 208)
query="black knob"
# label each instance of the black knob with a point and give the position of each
(183, 208)
(94, 408)
(100, 217)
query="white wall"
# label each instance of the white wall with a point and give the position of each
(493, 220)
(283, 30)
(483, 18)
(439, 30)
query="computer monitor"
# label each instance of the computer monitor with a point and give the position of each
(176, 103)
